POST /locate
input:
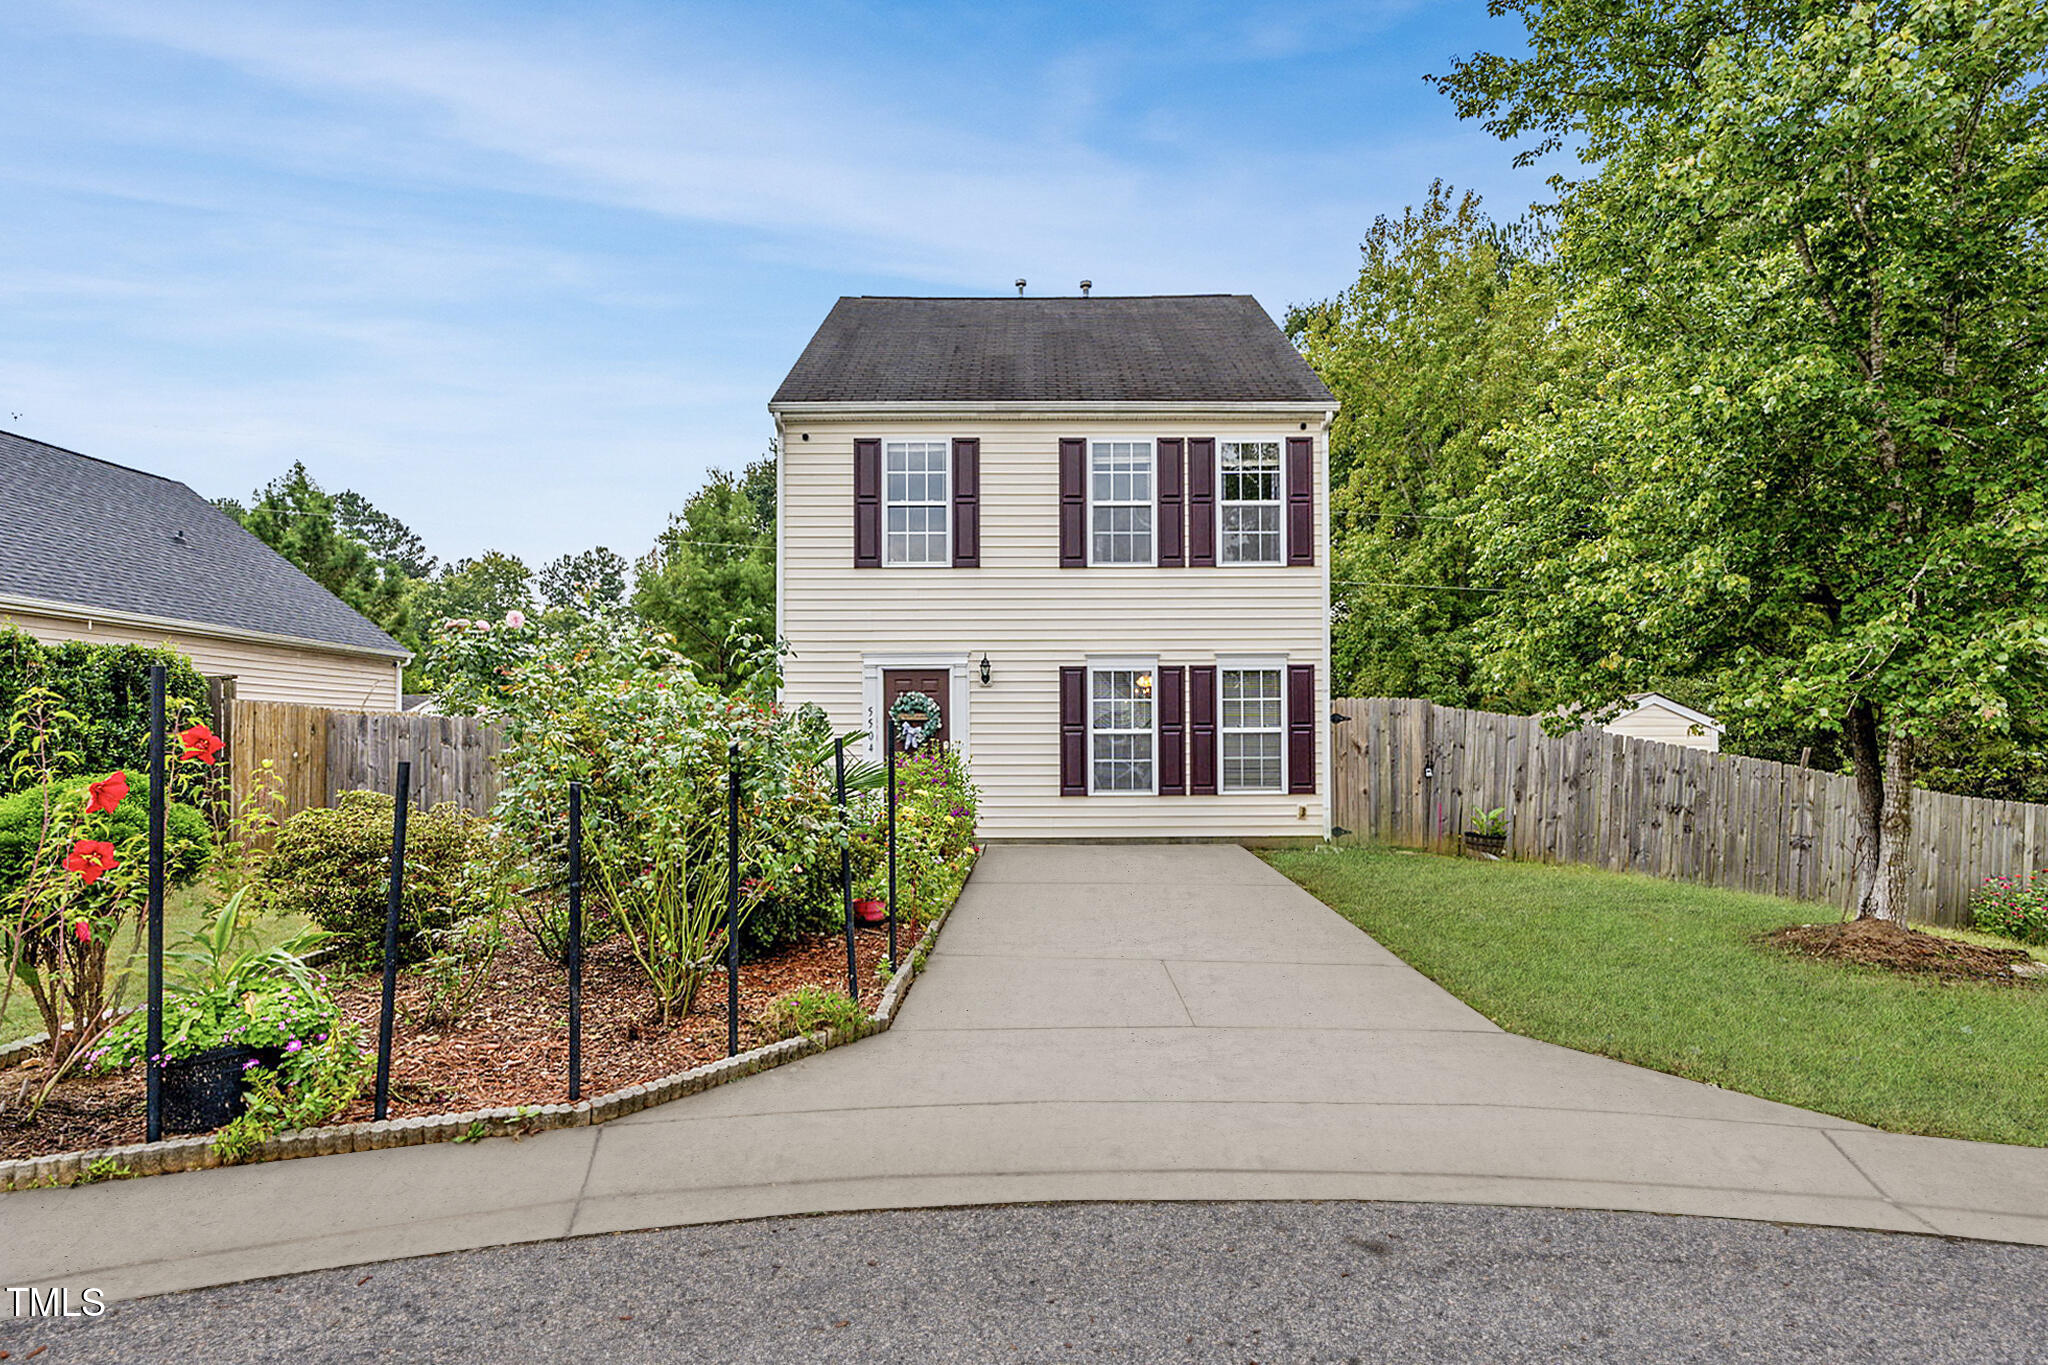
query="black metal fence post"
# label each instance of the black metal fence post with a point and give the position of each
(846, 871)
(732, 900)
(154, 1124)
(575, 942)
(891, 764)
(393, 896)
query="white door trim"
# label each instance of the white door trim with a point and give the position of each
(871, 666)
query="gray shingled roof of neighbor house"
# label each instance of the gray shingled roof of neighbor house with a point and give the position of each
(89, 534)
(1171, 348)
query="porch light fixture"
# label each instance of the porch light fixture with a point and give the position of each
(985, 672)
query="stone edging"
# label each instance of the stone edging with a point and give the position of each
(196, 1153)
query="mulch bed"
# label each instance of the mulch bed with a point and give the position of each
(510, 1048)
(1879, 943)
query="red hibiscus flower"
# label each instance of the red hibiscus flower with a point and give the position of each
(91, 859)
(107, 793)
(85, 931)
(201, 743)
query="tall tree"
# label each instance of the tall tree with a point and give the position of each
(294, 516)
(489, 588)
(1448, 334)
(1819, 237)
(594, 580)
(390, 540)
(710, 579)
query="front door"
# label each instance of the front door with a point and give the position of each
(935, 683)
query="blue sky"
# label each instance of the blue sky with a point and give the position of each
(521, 273)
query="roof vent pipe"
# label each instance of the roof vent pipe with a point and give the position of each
(1086, 285)
(1020, 288)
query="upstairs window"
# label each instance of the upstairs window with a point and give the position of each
(1121, 730)
(917, 505)
(1250, 501)
(1251, 727)
(1120, 502)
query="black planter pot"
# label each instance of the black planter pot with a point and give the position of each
(204, 1091)
(1492, 845)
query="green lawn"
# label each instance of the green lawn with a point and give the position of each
(1671, 976)
(184, 908)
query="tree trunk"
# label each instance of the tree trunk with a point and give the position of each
(1883, 766)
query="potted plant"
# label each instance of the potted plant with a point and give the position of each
(1488, 836)
(226, 1014)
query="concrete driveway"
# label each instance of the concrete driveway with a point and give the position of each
(1099, 1023)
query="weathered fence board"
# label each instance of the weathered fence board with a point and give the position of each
(316, 754)
(1409, 772)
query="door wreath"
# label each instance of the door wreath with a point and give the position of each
(916, 718)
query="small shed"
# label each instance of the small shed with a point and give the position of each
(1652, 715)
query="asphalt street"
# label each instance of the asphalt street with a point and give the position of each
(1238, 1282)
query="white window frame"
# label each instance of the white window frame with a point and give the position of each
(1151, 444)
(945, 560)
(1244, 663)
(1123, 663)
(1278, 501)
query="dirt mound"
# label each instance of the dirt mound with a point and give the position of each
(1879, 943)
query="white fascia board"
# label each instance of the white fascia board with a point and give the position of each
(78, 611)
(872, 411)
(1701, 718)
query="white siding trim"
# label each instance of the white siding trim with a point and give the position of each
(871, 666)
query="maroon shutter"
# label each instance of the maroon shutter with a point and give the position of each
(867, 504)
(1166, 513)
(1073, 732)
(966, 502)
(1301, 500)
(1202, 731)
(1073, 503)
(1173, 768)
(1201, 501)
(1301, 728)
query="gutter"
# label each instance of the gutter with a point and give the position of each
(80, 612)
(1310, 408)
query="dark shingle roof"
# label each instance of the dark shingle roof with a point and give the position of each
(78, 530)
(1175, 348)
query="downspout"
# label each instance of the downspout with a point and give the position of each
(1329, 678)
(781, 520)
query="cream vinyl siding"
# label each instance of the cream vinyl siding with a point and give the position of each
(1031, 617)
(1651, 721)
(262, 671)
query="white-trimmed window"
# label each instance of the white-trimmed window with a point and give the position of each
(1251, 725)
(917, 504)
(1120, 502)
(1250, 501)
(1123, 727)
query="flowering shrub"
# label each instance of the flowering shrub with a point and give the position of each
(936, 803)
(78, 877)
(2016, 907)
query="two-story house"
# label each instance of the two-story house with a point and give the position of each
(1087, 537)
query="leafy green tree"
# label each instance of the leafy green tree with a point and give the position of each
(710, 579)
(294, 516)
(487, 588)
(390, 540)
(594, 580)
(1818, 236)
(1449, 333)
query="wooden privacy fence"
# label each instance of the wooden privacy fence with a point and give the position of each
(1410, 772)
(318, 754)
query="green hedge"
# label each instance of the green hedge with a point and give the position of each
(333, 865)
(107, 688)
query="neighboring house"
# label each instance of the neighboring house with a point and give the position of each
(1652, 715)
(1094, 531)
(98, 552)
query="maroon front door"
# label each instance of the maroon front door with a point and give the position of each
(936, 683)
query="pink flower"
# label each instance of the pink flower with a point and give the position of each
(516, 619)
